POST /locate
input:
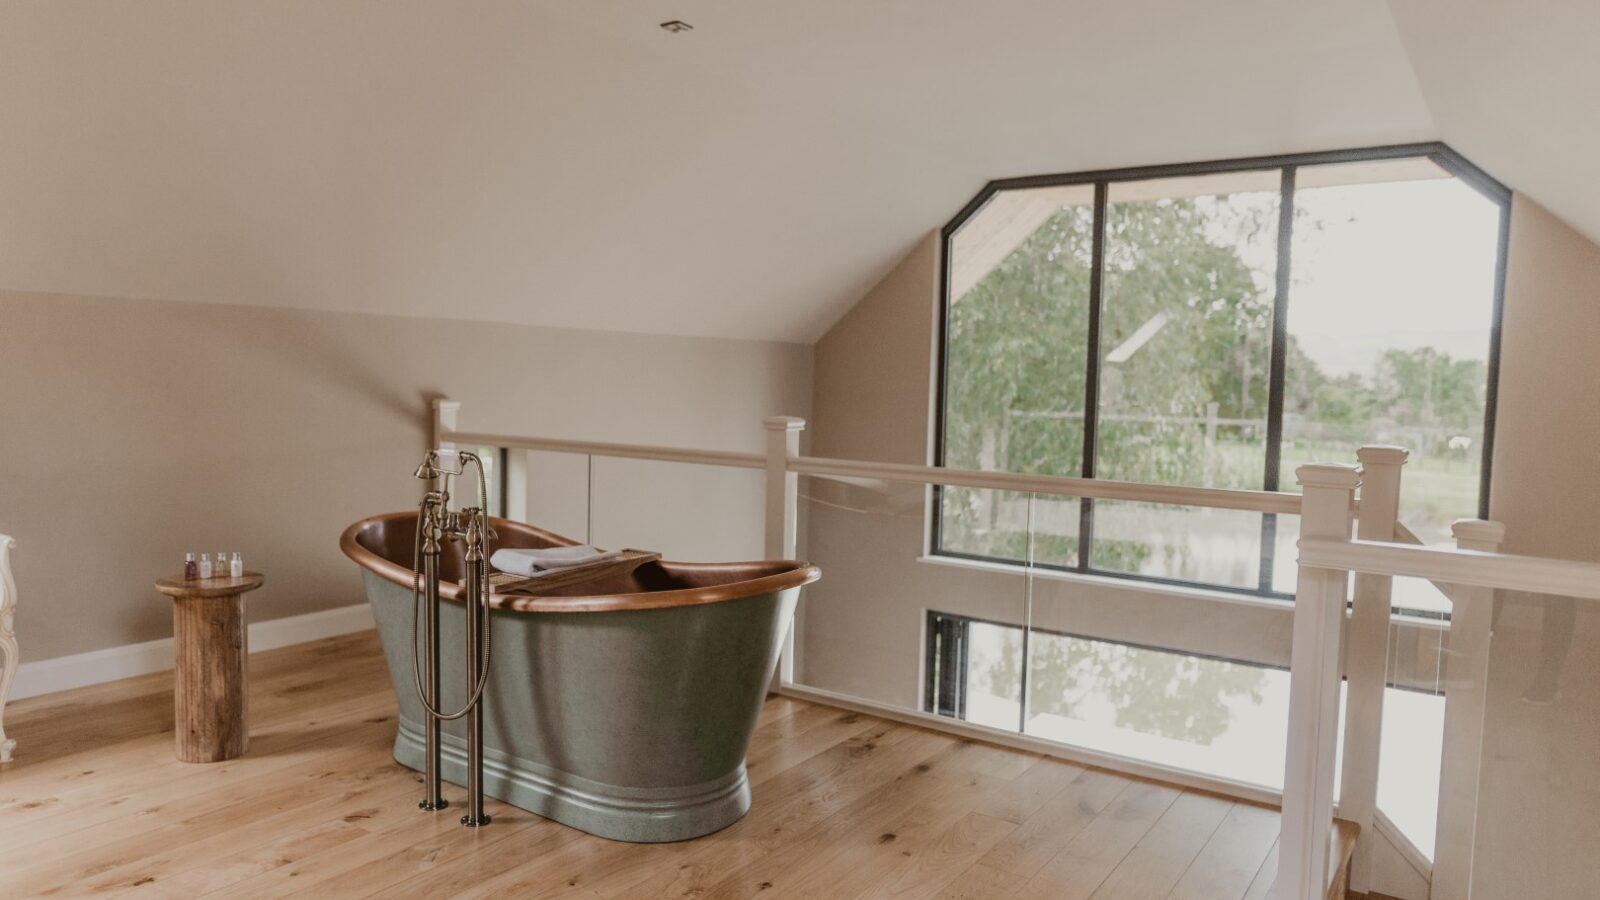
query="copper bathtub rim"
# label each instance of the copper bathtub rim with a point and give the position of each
(796, 574)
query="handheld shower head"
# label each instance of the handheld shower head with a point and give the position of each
(440, 462)
(429, 469)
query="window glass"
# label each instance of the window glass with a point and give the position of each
(1138, 340)
(1186, 329)
(1185, 359)
(1019, 283)
(1019, 279)
(1181, 543)
(1390, 311)
(1216, 717)
(993, 676)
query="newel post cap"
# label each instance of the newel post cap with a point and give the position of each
(1383, 455)
(784, 423)
(1478, 531)
(1329, 475)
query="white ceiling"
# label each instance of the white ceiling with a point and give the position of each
(569, 164)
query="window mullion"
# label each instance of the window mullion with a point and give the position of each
(1277, 365)
(1091, 381)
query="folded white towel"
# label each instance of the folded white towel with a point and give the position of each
(531, 563)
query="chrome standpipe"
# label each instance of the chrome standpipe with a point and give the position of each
(477, 619)
(432, 798)
(436, 523)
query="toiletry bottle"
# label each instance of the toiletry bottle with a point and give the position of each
(236, 566)
(221, 571)
(190, 572)
(205, 565)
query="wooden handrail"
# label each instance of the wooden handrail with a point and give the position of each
(619, 451)
(1505, 571)
(1061, 485)
(1405, 536)
(1064, 485)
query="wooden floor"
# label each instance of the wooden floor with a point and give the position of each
(845, 806)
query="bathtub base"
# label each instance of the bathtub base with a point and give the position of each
(635, 815)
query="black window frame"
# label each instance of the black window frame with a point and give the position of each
(1438, 153)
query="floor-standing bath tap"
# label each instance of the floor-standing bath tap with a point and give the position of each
(436, 524)
(432, 535)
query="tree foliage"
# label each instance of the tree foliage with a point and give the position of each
(1185, 350)
(1152, 692)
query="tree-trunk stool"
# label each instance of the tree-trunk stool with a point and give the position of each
(210, 659)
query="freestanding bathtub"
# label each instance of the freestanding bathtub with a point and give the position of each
(622, 707)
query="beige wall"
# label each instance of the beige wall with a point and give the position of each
(132, 431)
(872, 399)
(1547, 436)
(1538, 822)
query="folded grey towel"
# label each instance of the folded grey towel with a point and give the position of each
(531, 563)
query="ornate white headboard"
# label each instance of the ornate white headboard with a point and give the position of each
(8, 639)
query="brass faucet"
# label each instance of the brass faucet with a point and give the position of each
(437, 524)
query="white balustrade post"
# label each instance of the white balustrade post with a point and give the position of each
(783, 506)
(8, 640)
(1366, 656)
(1328, 492)
(444, 421)
(1466, 692)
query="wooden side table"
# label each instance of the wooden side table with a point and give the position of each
(211, 653)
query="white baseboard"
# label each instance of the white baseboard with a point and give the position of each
(97, 666)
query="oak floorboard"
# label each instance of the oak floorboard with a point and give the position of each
(1261, 885)
(845, 805)
(981, 882)
(1154, 865)
(792, 804)
(1027, 793)
(1099, 848)
(1232, 857)
(1056, 822)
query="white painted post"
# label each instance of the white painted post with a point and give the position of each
(783, 503)
(516, 499)
(1305, 841)
(1366, 656)
(8, 640)
(1465, 699)
(444, 422)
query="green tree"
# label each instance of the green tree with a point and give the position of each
(1427, 387)
(1016, 370)
(1016, 341)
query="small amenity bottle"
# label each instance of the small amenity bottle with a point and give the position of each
(236, 566)
(205, 565)
(221, 570)
(190, 572)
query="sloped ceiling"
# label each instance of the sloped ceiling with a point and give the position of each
(570, 164)
(1515, 86)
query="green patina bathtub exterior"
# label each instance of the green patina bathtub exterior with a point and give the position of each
(630, 724)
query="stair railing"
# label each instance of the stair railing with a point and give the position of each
(1469, 575)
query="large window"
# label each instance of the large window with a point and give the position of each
(1216, 325)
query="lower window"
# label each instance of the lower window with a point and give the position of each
(1221, 718)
